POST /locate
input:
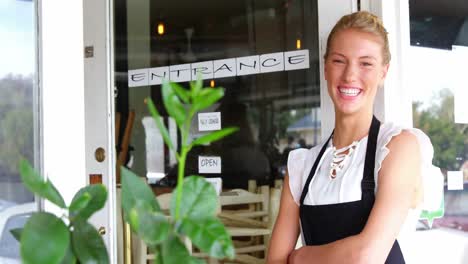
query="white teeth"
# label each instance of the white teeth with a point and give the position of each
(349, 91)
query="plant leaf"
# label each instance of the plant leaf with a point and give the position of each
(16, 233)
(199, 199)
(181, 92)
(152, 227)
(172, 104)
(45, 239)
(207, 97)
(209, 235)
(135, 189)
(88, 200)
(79, 203)
(69, 256)
(35, 183)
(196, 86)
(214, 136)
(162, 128)
(87, 244)
(175, 252)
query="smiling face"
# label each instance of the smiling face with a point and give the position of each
(354, 69)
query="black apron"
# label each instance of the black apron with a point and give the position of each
(322, 224)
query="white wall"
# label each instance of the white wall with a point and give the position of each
(393, 102)
(329, 11)
(62, 87)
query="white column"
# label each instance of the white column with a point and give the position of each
(329, 12)
(393, 102)
(61, 80)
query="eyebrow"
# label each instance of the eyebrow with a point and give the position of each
(362, 57)
(368, 57)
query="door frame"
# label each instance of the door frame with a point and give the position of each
(77, 102)
(99, 112)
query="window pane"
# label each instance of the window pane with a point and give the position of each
(438, 63)
(275, 111)
(17, 116)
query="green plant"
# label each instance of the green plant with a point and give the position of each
(48, 239)
(194, 202)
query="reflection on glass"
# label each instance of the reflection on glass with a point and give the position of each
(17, 102)
(276, 112)
(437, 75)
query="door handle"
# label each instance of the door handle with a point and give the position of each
(102, 230)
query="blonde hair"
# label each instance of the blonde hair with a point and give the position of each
(366, 22)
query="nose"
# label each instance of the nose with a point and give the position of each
(350, 73)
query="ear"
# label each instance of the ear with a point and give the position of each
(385, 71)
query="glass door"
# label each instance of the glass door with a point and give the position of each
(276, 108)
(267, 56)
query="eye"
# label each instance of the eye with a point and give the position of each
(366, 64)
(338, 61)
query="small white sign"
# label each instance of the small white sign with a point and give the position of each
(248, 65)
(272, 62)
(454, 180)
(209, 121)
(138, 77)
(205, 69)
(217, 184)
(209, 164)
(156, 75)
(295, 60)
(180, 73)
(224, 68)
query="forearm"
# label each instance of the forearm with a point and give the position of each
(351, 249)
(286, 229)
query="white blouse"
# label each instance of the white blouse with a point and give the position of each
(346, 186)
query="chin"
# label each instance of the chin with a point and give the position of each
(349, 110)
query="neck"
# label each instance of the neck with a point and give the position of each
(349, 128)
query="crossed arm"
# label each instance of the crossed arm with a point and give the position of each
(399, 189)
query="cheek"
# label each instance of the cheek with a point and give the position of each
(333, 73)
(373, 78)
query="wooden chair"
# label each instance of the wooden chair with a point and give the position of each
(141, 255)
(248, 226)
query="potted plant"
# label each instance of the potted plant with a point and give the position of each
(68, 238)
(194, 201)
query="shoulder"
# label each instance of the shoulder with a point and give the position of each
(397, 145)
(298, 157)
(405, 143)
(401, 147)
(298, 161)
(394, 138)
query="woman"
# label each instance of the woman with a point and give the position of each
(355, 196)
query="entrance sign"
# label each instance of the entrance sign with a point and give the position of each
(271, 62)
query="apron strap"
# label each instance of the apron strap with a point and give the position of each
(368, 182)
(314, 168)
